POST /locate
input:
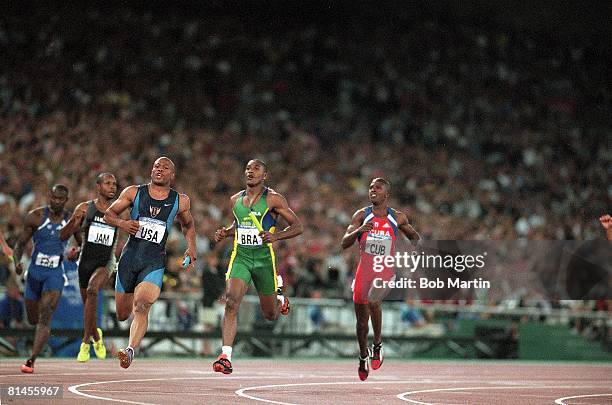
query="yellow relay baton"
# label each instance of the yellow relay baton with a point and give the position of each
(257, 224)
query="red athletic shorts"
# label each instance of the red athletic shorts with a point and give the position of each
(367, 279)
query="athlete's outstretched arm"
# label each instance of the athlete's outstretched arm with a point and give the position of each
(188, 227)
(112, 216)
(279, 204)
(78, 238)
(606, 222)
(75, 221)
(29, 227)
(404, 225)
(6, 249)
(355, 229)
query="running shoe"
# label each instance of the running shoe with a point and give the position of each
(377, 356)
(284, 309)
(28, 367)
(223, 365)
(364, 367)
(99, 347)
(83, 355)
(125, 357)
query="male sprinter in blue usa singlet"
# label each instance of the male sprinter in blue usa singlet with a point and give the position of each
(154, 207)
(45, 277)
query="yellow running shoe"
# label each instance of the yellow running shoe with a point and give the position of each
(99, 347)
(83, 353)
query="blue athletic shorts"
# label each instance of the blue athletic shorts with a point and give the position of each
(133, 269)
(41, 279)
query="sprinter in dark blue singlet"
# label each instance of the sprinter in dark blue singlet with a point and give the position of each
(144, 256)
(45, 277)
(154, 207)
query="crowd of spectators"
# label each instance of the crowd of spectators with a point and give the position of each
(484, 132)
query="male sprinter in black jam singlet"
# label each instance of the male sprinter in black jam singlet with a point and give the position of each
(143, 260)
(97, 260)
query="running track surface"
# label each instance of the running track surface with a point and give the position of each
(287, 381)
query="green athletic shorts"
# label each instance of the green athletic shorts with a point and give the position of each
(254, 264)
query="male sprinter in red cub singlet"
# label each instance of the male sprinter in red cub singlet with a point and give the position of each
(376, 228)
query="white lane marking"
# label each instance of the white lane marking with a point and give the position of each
(241, 391)
(152, 392)
(75, 388)
(560, 400)
(403, 395)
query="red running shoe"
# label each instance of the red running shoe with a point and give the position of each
(377, 356)
(28, 367)
(125, 357)
(364, 367)
(223, 365)
(284, 309)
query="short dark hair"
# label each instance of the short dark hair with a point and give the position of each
(60, 187)
(261, 162)
(383, 181)
(100, 177)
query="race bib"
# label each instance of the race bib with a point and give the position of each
(151, 229)
(101, 234)
(249, 237)
(44, 260)
(377, 246)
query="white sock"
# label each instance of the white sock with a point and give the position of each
(130, 348)
(281, 298)
(227, 350)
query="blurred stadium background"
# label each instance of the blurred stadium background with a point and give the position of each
(492, 122)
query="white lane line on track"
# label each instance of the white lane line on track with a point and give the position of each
(69, 374)
(241, 392)
(560, 400)
(159, 393)
(276, 375)
(403, 395)
(503, 384)
(75, 388)
(152, 392)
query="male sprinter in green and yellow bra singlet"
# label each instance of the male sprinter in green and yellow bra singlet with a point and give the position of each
(255, 210)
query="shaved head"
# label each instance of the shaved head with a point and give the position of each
(163, 171)
(60, 188)
(100, 177)
(259, 162)
(58, 196)
(166, 159)
(383, 181)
